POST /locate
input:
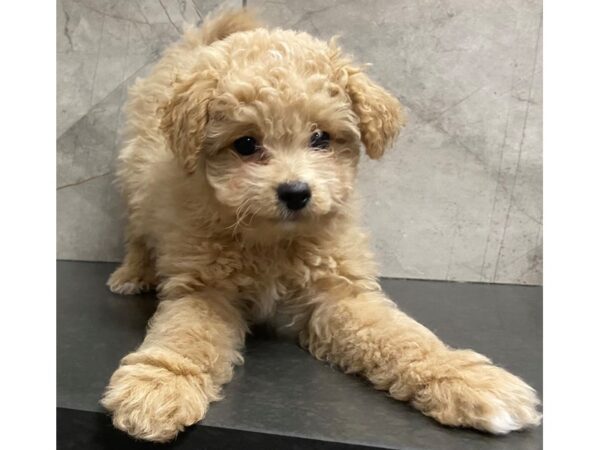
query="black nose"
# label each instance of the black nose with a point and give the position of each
(295, 194)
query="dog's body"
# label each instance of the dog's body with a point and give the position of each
(241, 152)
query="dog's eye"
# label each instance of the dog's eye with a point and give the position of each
(246, 145)
(319, 140)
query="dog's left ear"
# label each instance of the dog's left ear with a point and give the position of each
(380, 114)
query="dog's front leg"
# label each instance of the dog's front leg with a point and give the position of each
(188, 354)
(364, 332)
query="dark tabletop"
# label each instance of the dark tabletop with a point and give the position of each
(281, 397)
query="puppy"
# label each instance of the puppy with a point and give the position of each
(238, 170)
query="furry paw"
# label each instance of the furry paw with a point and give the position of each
(155, 403)
(467, 391)
(127, 281)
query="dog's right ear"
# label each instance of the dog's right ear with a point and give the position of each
(380, 114)
(185, 118)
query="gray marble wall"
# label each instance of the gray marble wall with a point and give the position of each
(458, 198)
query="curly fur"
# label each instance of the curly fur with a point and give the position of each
(206, 228)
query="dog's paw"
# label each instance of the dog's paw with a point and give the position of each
(126, 281)
(154, 403)
(468, 391)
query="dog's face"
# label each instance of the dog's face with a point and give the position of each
(274, 124)
(280, 149)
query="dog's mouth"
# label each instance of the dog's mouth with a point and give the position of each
(293, 216)
(288, 218)
(284, 218)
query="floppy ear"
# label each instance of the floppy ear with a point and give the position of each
(185, 118)
(380, 114)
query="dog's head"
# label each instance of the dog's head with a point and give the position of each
(273, 121)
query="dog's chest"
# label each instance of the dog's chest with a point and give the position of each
(279, 282)
(277, 270)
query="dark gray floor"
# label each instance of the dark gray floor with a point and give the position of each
(281, 390)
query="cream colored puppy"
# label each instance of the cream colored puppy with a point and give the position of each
(239, 165)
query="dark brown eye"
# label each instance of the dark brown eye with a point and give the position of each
(246, 145)
(319, 140)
